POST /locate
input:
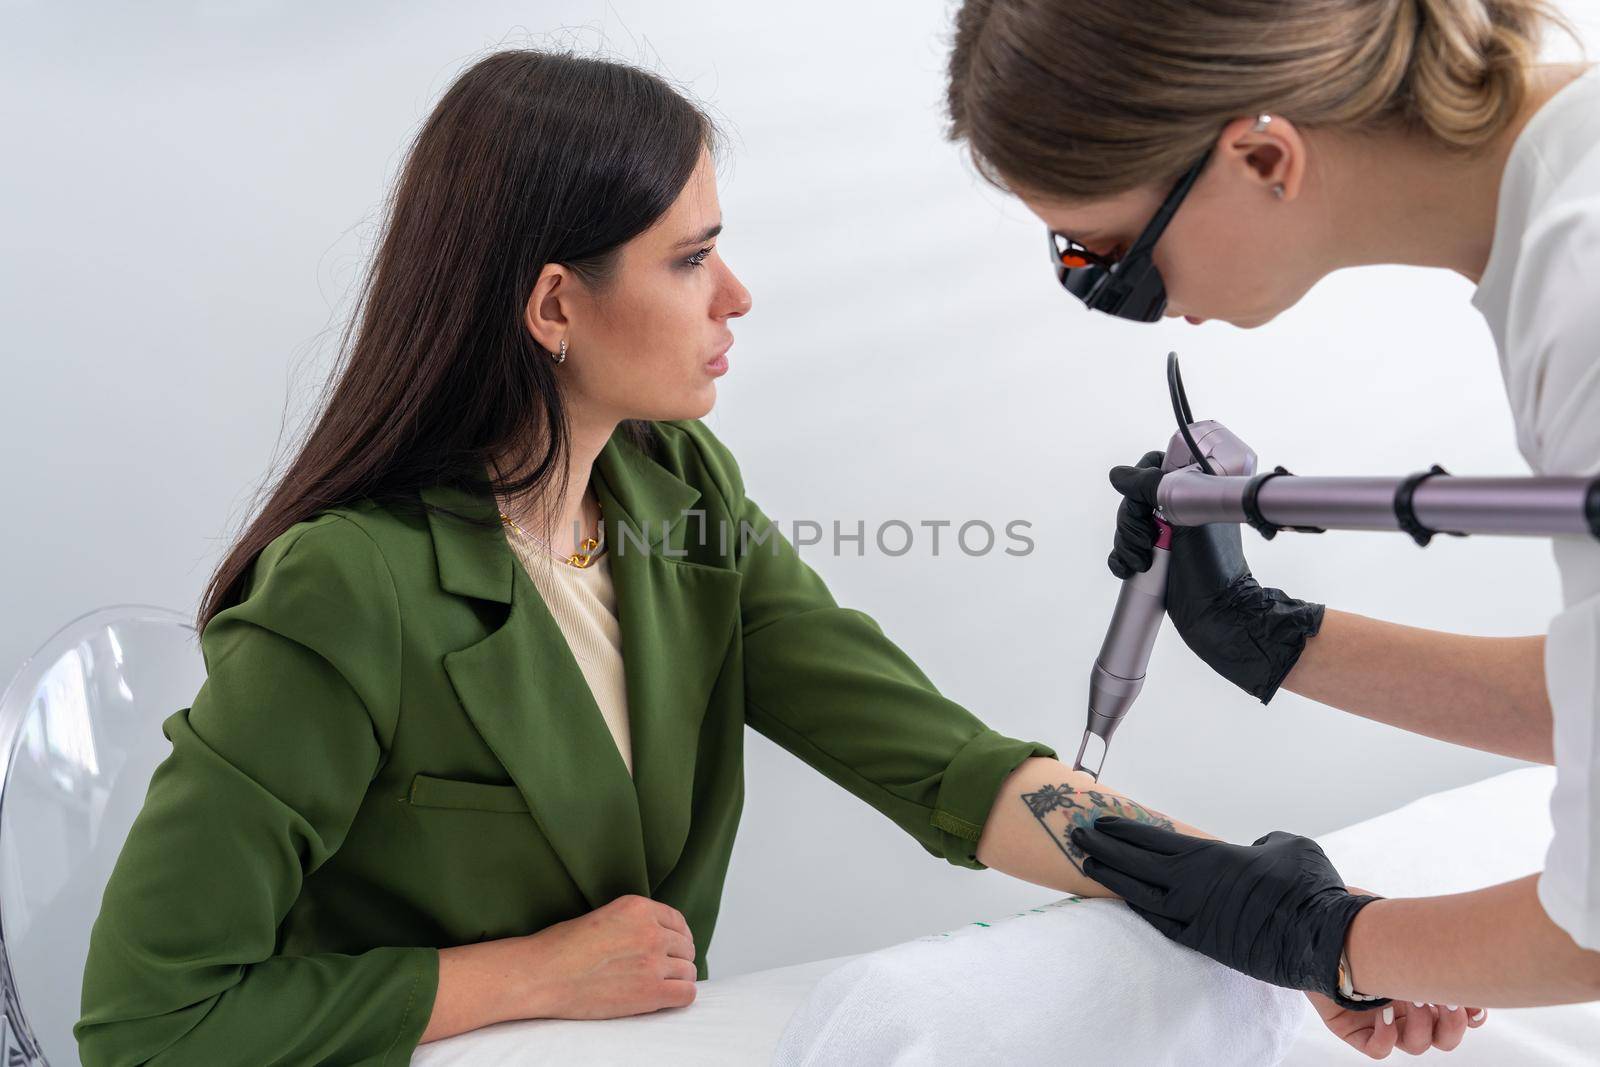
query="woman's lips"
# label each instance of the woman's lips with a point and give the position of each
(718, 364)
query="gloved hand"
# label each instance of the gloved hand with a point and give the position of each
(1250, 635)
(1276, 910)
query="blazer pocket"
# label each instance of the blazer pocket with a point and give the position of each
(428, 791)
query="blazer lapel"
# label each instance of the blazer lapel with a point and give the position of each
(525, 693)
(678, 620)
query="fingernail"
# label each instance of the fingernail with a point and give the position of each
(1417, 1003)
(1388, 1014)
(1449, 1007)
(1477, 1016)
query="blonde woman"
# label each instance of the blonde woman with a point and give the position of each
(1214, 160)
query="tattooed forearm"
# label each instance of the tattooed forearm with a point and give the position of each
(1060, 808)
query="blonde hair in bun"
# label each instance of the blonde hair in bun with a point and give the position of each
(1088, 98)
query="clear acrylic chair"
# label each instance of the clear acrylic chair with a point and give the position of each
(80, 736)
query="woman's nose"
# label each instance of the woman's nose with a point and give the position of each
(737, 297)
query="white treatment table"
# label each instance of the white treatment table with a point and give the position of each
(1477, 835)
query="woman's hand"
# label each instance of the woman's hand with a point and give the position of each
(630, 957)
(1250, 635)
(1412, 1028)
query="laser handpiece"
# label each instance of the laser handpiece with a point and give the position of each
(1118, 672)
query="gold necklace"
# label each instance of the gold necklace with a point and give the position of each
(588, 551)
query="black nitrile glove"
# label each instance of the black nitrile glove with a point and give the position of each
(1250, 635)
(1275, 910)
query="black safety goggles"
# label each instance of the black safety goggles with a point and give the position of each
(1128, 286)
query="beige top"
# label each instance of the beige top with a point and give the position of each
(584, 604)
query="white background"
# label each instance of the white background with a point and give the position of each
(187, 198)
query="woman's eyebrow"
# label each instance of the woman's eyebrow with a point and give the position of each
(701, 238)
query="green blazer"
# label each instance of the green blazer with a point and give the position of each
(395, 751)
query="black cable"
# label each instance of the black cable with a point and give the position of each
(1180, 410)
(1183, 395)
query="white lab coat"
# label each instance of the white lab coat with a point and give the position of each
(1540, 293)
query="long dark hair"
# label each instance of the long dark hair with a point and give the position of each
(531, 157)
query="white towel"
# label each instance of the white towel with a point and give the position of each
(1076, 981)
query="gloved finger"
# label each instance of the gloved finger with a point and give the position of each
(1153, 458)
(1171, 929)
(1133, 546)
(1129, 559)
(1136, 525)
(1277, 837)
(1136, 533)
(1126, 886)
(1145, 836)
(1137, 483)
(1127, 859)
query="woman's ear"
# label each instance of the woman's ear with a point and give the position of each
(1267, 154)
(546, 317)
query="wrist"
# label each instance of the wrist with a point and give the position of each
(1347, 982)
(468, 994)
(504, 978)
(1291, 626)
(1356, 985)
(1324, 966)
(1357, 942)
(524, 971)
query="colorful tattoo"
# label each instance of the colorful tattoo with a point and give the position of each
(1061, 808)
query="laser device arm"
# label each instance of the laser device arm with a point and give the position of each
(1208, 478)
